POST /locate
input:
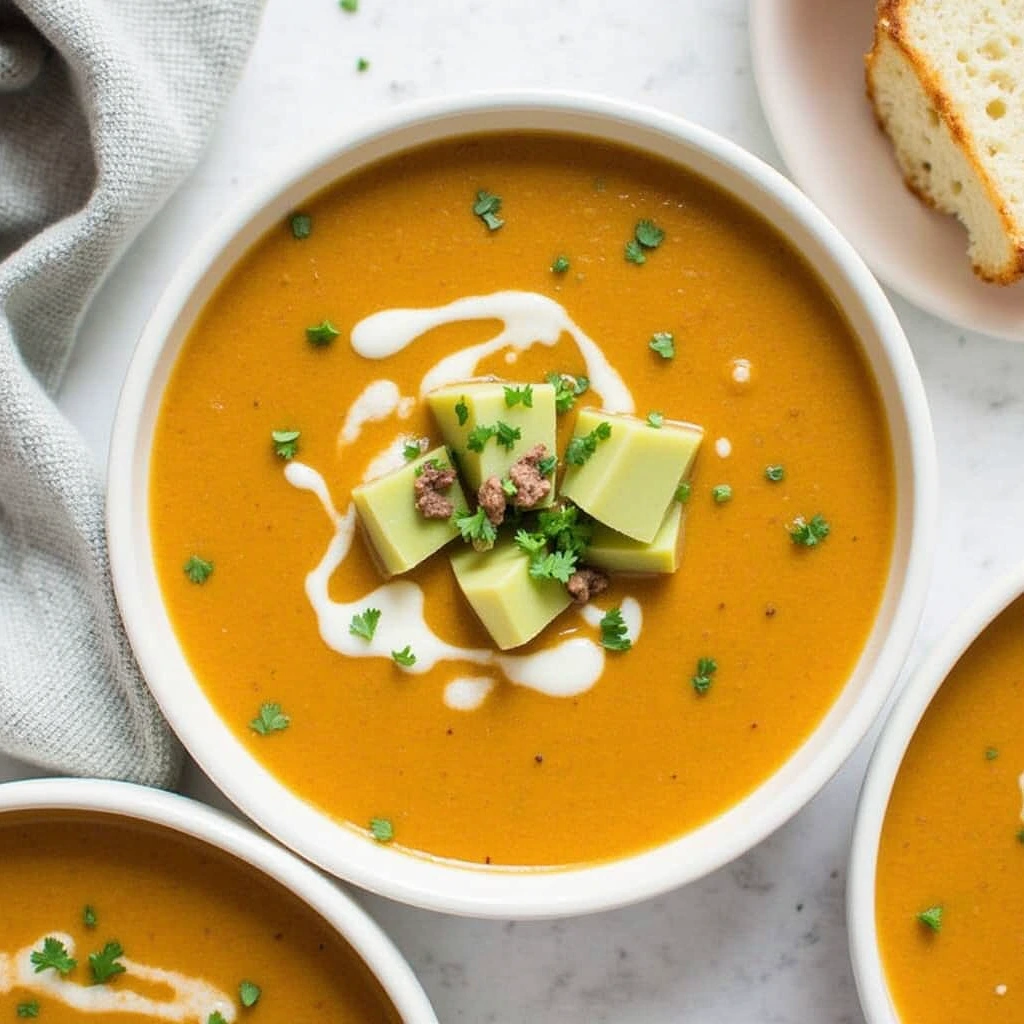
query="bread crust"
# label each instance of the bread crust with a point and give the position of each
(890, 24)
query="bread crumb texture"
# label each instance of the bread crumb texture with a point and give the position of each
(946, 78)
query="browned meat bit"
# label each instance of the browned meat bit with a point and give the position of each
(491, 498)
(532, 485)
(586, 583)
(429, 489)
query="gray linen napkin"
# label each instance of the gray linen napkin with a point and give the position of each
(104, 107)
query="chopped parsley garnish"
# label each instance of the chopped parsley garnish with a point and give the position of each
(721, 493)
(561, 265)
(475, 528)
(546, 466)
(555, 565)
(404, 657)
(216, 1018)
(54, 955)
(614, 635)
(29, 1009)
(775, 474)
(655, 419)
(249, 993)
(435, 464)
(89, 918)
(808, 534)
(634, 252)
(198, 569)
(648, 234)
(508, 487)
(664, 343)
(513, 396)
(567, 389)
(503, 434)
(462, 411)
(487, 208)
(362, 64)
(565, 529)
(350, 6)
(270, 719)
(507, 436)
(683, 492)
(286, 443)
(104, 964)
(365, 623)
(301, 225)
(706, 668)
(932, 918)
(382, 830)
(532, 543)
(411, 450)
(991, 753)
(580, 449)
(322, 333)
(479, 436)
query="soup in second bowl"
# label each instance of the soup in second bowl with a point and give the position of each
(950, 879)
(637, 713)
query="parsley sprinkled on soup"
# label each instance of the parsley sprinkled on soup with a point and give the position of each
(532, 496)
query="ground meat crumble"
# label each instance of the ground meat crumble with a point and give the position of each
(491, 498)
(532, 486)
(429, 489)
(586, 583)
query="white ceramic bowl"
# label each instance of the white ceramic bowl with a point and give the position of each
(218, 830)
(878, 783)
(461, 888)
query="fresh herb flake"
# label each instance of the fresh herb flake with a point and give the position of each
(286, 443)
(581, 448)
(349, 6)
(476, 528)
(655, 419)
(721, 493)
(683, 492)
(53, 955)
(508, 487)
(565, 529)
(104, 964)
(487, 207)
(810, 533)
(249, 993)
(648, 234)
(567, 389)
(546, 466)
(301, 225)
(532, 543)
(322, 334)
(462, 411)
(198, 569)
(216, 1018)
(634, 252)
(555, 565)
(614, 634)
(507, 436)
(362, 64)
(404, 657)
(411, 450)
(270, 719)
(561, 265)
(89, 918)
(382, 830)
(364, 624)
(775, 474)
(516, 395)
(664, 343)
(991, 753)
(479, 436)
(29, 1009)
(931, 918)
(706, 668)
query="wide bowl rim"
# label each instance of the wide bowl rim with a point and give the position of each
(897, 733)
(445, 886)
(215, 828)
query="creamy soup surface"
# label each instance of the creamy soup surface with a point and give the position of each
(949, 901)
(566, 752)
(107, 920)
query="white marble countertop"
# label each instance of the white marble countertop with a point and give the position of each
(763, 939)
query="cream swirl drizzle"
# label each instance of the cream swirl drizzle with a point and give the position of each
(193, 999)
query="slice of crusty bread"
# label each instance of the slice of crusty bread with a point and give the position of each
(946, 78)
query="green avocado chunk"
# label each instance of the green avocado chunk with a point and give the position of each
(616, 552)
(399, 535)
(467, 413)
(513, 606)
(629, 480)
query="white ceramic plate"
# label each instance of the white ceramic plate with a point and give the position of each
(455, 886)
(214, 828)
(881, 776)
(809, 64)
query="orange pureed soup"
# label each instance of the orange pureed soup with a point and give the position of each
(763, 360)
(106, 919)
(949, 901)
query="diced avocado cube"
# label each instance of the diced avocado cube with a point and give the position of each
(629, 479)
(616, 552)
(400, 536)
(466, 412)
(512, 605)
